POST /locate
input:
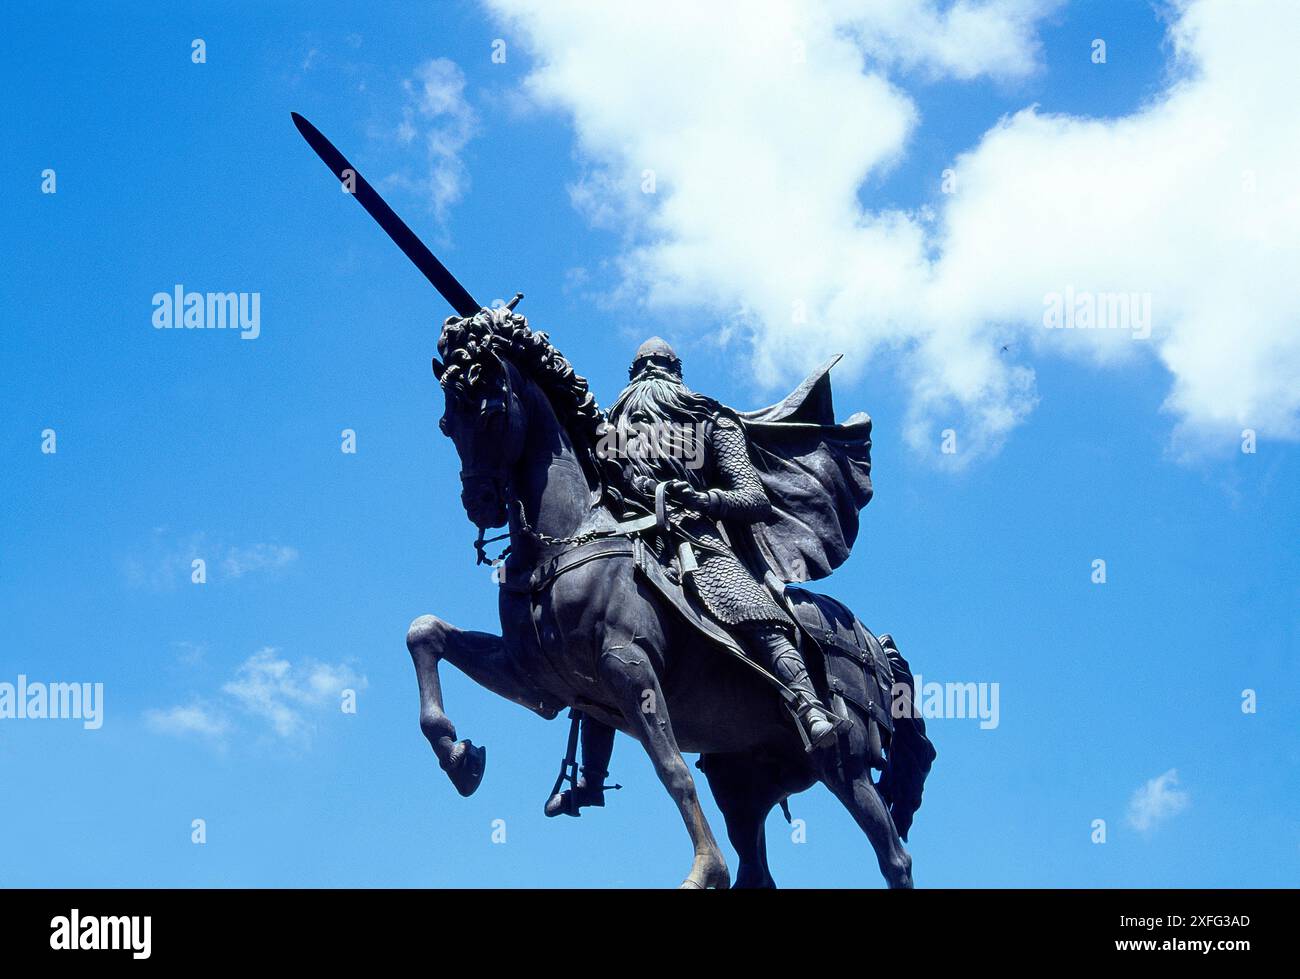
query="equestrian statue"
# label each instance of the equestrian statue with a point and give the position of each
(650, 582)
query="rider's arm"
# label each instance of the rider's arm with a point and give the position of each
(738, 494)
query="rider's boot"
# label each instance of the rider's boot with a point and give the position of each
(773, 648)
(590, 791)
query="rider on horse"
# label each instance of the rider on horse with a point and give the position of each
(732, 524)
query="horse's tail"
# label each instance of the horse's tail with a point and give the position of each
(910, 752)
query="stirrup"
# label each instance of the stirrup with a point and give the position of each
(800, 712)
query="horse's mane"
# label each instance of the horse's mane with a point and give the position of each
(468, 346)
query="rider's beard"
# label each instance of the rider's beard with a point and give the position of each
(669, 446)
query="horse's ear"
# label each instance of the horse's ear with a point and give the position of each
(438, 368)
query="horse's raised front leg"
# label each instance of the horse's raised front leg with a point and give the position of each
(484, 659)
(628, 675)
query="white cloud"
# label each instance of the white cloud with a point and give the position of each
(280, 697)
(964, 39)
(163, 561)
(437, 119)
(253, 558)
(166, 560)
(195, 719)
(281, 694)
(190, 653)
(764, 128)
(1157, 801)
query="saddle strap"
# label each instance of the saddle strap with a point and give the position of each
(879, 712)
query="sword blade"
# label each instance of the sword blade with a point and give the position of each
(405, 239)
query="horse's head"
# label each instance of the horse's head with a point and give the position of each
(484, 416)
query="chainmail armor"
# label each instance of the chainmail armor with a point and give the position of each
(729, 591)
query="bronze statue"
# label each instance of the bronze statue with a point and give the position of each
(649, 586)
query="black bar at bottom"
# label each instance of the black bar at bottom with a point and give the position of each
(595, 931)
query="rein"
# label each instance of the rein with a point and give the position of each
(659, 520)
(480, 550)
(624, 528)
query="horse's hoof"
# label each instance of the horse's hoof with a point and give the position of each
(712, 875)
(465, 766)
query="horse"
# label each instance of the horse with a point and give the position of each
(581, 629)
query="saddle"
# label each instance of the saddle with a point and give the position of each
(846, 661)
(665, 577)
(855, 664)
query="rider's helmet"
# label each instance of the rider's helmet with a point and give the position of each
(655, 352)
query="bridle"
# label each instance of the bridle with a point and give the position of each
(480, 542)
(497, 474)
(480, 548)
(624, 529)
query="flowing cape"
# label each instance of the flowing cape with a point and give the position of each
(817, 475)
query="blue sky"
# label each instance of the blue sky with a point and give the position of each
(175, 444)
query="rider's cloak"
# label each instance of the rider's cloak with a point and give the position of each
(817, 475)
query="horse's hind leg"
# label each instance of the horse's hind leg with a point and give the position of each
(627, 674)
(862, 800)
(745, 800)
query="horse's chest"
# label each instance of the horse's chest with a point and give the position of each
(560, 659)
